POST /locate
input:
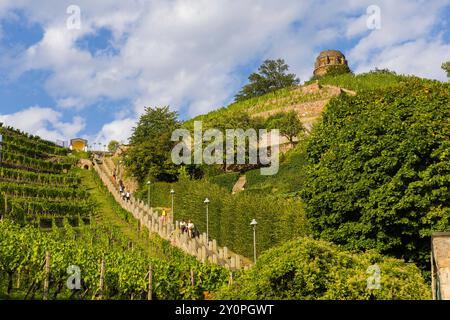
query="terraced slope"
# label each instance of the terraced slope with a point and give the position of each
(37, 181)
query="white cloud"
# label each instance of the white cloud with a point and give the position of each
(119, 130)
(405, 26)
(420, 58)
(44, 122)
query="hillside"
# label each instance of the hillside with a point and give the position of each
(288, 180)
(278, 201)
(40, 186)
(54, 215)
(36, 181)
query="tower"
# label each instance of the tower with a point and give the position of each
(326, 59)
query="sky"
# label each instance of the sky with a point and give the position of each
(89, 68)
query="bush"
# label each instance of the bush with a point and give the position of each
(375, 79)
(288, 180)
(312, 269)
(380, 170)
(226, 180)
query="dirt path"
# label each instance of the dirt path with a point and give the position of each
(239, 185)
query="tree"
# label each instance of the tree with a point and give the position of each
(288, 123)
(113, 145)
(149, 156)
(271, 76)
(446, 67)
(379, 171)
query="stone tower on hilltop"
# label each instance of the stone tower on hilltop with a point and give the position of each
(327, 59)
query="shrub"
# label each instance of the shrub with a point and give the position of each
(313, 269)
(380, 170)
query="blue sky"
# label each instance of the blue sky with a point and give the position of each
(61, 81)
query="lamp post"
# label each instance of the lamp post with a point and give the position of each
(207, 219)
(148, 193)
(172, 192)
(253, 224)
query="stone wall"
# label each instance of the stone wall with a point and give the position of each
(440, 265)
(200, 247)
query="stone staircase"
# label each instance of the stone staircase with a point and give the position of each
(203, 249)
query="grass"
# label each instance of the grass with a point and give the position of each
(287, 181)
(226, 180)
(365, 81)
(110, 213)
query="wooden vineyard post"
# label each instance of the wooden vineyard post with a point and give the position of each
(47, 275)
(230, 281)
(102, 278)
(139, 229)
(150, 282)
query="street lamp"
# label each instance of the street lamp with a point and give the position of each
(207, 219)
(253, 224)
(172, 192)
(148, 193)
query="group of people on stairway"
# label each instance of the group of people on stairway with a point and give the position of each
(126, 195)
(189, 228)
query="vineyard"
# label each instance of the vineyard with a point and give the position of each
(39, 187)
(34, 264)
(35, 180)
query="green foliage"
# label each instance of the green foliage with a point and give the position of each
(113, 145)
(33, 178)
(32, 185)
(313, 269)
(288, 123)
(375, 79)
(230, 215)
(271, 76)
(23, 250)
(31, 142)
(231, 119)
(221, 123)
(289, 178)
(380, 170)
(226, 180)
(334, 70)
(446, 67)
(151, 146)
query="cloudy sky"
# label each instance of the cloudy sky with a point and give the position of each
(63, 77)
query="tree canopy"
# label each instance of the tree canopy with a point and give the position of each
(272, 75)
(113, 145)
(149, 154)
(288, 123)
(379, 172)
(446, 67)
